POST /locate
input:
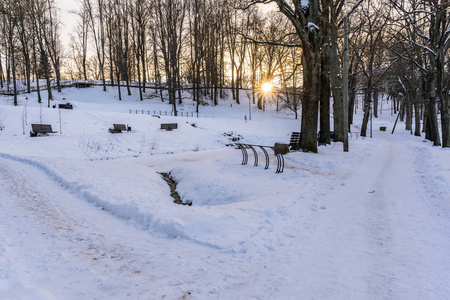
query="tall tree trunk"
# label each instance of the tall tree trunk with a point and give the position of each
(351, 105)
(432, 128)
(445, 121)
(375, 102)
(118, 86)
(139, 79)
(336, 84)
(325, 93)
(111, 62)
(238, 83)
(409, 117)
(222, 64)
(366, 109)
(143, 56)
(13, 65)
(232, 78)
(310, 103)
(416, 118)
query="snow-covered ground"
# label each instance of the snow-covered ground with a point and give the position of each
(85, 214)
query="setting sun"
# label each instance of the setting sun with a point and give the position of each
(266, 87)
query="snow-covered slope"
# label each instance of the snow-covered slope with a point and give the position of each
(85, 214)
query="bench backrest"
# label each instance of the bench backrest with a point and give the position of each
(295, 138)
(42, 128)
(119, 127)
(169, 126)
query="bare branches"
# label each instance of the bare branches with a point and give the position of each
(272, 43)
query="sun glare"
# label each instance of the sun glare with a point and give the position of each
(266, 87)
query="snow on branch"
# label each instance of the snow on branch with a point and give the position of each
(311, 26)
(421, 46)
(409, 58)
(446, 36)
(401, 83)
(288, 8)
(304, 3)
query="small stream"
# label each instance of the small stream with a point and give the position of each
(173, 189)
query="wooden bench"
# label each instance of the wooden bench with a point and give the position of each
(65, 106)
(382, 128)
(169, 126)
(118, 128)
(41, 129)
(294, 144)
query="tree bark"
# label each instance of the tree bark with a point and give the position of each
(310, 103)
(366, 109)
(336, 83)
(325, 93)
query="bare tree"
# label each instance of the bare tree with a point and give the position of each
(79, 42)
(51, 37)
(307, 17)
(97, 25)
(10, 21)
(372, 55)
(171, 14)
(24, 31)
(424, 25)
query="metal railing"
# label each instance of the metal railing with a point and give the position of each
(23, 89)
(280, 158)
(161, 113)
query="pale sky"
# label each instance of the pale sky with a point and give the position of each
(67, 19)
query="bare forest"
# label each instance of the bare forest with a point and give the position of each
(326, 59)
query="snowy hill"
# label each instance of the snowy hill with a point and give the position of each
(85, 214)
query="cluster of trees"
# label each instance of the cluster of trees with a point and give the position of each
(420, 41)
(168, 43)
(395, 47)
(29, 44)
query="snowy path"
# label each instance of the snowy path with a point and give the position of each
(376, 233)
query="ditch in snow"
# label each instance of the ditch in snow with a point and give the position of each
(173, 189)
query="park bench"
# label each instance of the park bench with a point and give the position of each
(322, 142)
(294, 143)
(65, 106)
(169, 126)
(118, 128)
(41, 129)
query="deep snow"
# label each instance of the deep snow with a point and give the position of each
(84, 214)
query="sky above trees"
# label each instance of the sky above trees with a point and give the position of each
(68, 19)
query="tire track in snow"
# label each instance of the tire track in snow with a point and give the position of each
(398, 226)
(36, 229)
(352, 233)
(376, 236)
(436, 187)
(379, 226)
